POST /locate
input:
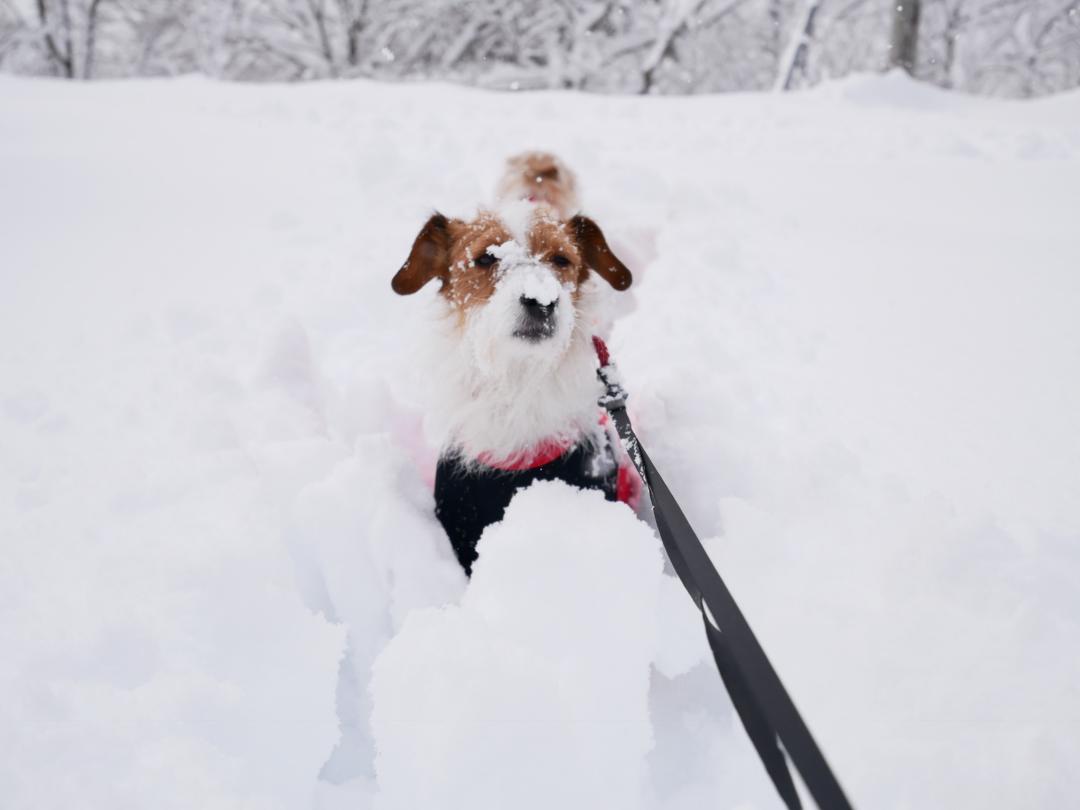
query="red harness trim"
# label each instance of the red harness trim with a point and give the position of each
(628, 485)
(602, 353)
(544, 453)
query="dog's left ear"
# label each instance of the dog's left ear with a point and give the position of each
(428, 259)
(598, 256)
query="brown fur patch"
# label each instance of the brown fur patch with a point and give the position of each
(543, 178)
(469, 284)
(448, 249)
(427, 259)
(550, 239)
(597, 254)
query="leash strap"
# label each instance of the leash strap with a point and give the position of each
(763, 705)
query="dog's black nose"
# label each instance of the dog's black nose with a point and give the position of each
(535, 309)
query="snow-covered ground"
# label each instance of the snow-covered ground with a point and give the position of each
(853, 348)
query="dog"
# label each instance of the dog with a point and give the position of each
(542, 178)
(516, 370)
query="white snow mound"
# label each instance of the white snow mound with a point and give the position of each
(533, 692)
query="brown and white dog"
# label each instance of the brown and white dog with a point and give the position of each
(515, 379)
(542, 178)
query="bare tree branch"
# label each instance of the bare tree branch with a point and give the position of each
(795, 58)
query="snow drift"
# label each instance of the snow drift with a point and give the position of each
(547, 656)
(851, 347)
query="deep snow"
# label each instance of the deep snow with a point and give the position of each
(852, 347)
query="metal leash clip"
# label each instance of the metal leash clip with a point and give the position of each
(614, 396)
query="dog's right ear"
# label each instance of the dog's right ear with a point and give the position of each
(597, 254)
(429, 257)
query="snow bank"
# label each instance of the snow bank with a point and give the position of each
(534, 691)
(169, 658)
(370, 551)
(851, 349)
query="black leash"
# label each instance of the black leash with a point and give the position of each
(764, 706)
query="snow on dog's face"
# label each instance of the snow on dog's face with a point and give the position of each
(513, 363)
(513, 279)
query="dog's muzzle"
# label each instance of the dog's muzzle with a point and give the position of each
(537, 320)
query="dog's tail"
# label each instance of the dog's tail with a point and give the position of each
(540, 177)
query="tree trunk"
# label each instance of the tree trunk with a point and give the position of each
(775, 27)
(795, 60)
(905, 35)
(356, 28)
(664, 45)
(654, 60)
(62, 57)
(318, 15)
(952, 31)
(91, 38)
(355, 16)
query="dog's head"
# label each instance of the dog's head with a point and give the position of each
(513, 279)
(542, 178)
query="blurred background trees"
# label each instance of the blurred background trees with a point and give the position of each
(1000, 47)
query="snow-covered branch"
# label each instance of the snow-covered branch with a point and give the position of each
(1010, 47)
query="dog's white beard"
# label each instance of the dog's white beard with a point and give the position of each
(500, 395)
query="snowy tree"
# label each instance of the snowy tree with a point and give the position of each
(709, 46)
(506, 44)
(1034, 50)
(55, 22)
(261, 39)
(68, 31)
(158, 37)
(905, 35)
(827, 38)
(1007, 47)
(680, 34)
(1043, 51)
(13, 31)
(83, 39)
(794, 61)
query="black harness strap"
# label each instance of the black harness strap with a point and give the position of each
(764, 706)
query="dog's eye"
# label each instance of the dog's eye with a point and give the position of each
(485, 260)
(560, 261)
